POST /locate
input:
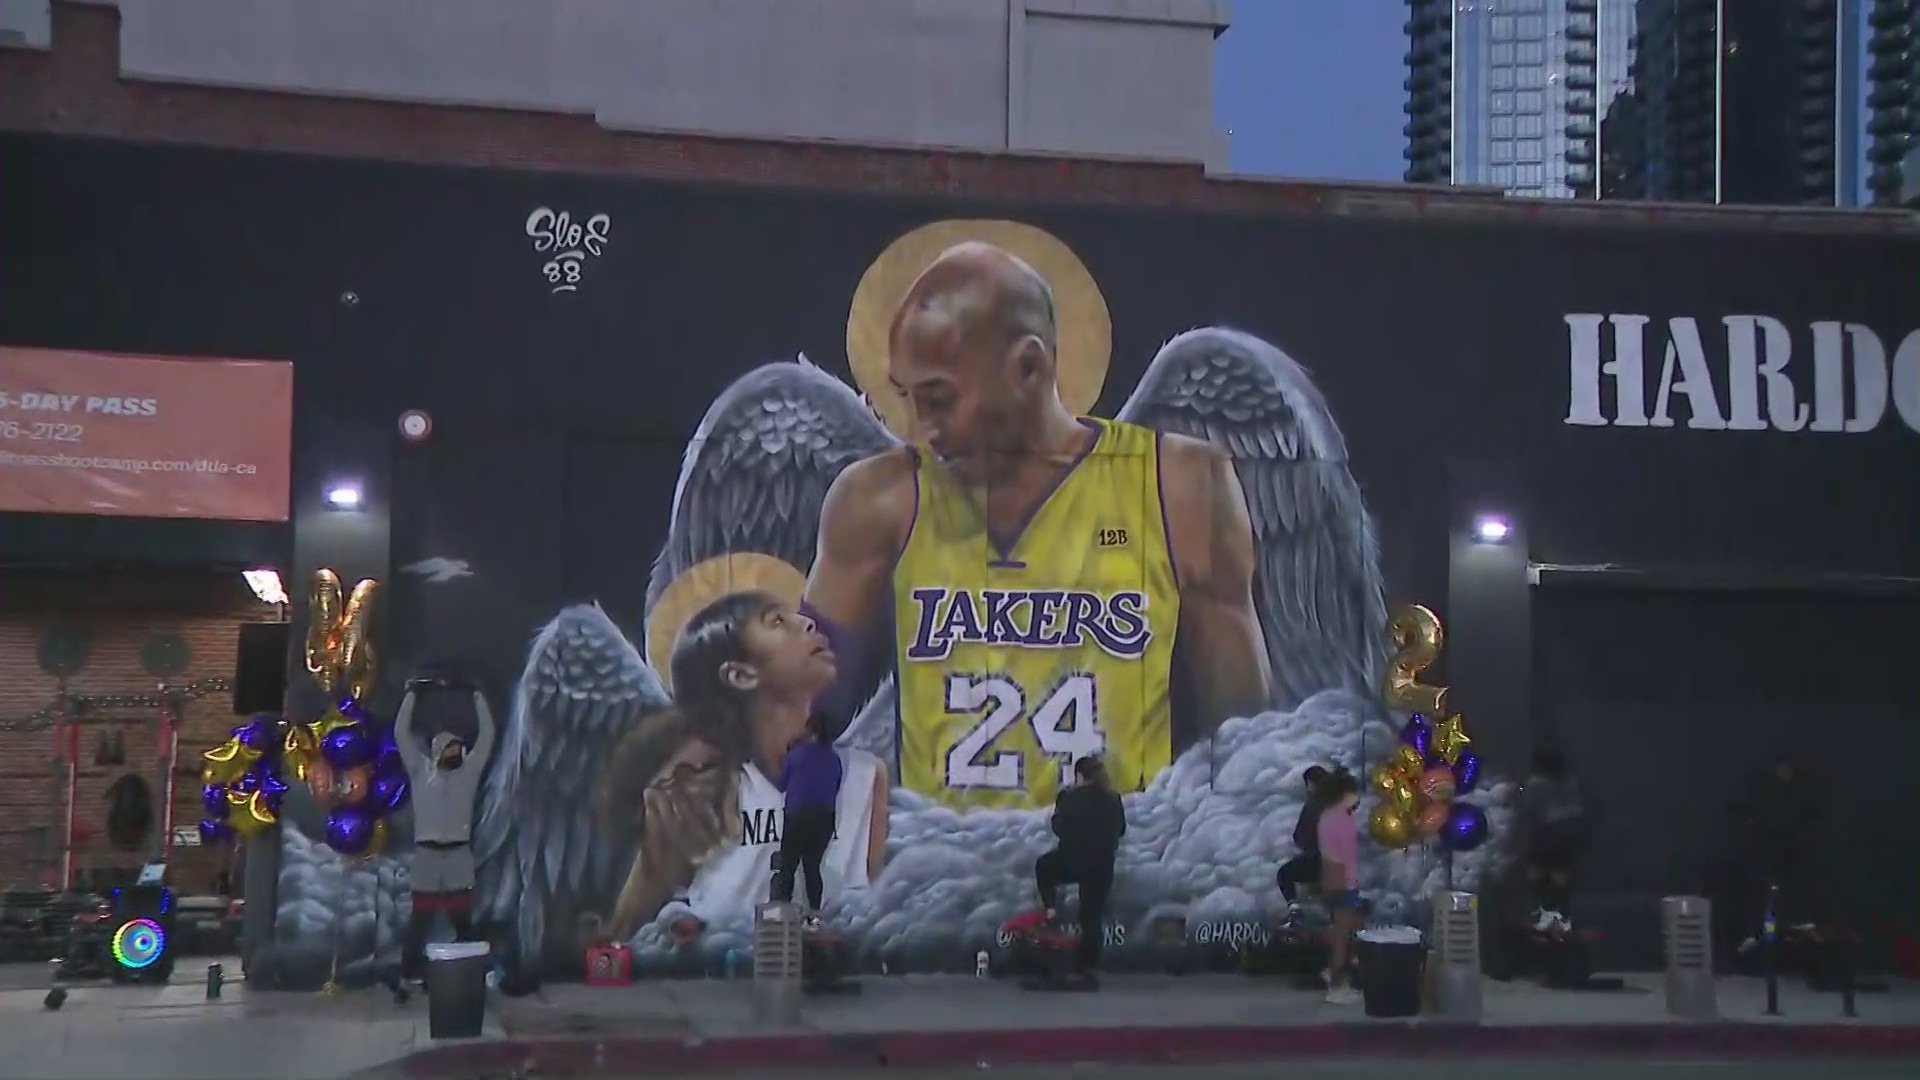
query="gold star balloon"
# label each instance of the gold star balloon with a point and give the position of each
(1450, 737)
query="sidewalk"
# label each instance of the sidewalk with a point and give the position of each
(693, 1026)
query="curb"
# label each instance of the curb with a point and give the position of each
(1720, 1041)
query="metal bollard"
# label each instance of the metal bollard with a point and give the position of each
(1686, 928)
(1456, 931)
(777, 957)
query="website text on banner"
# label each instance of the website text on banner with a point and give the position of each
(144, 436)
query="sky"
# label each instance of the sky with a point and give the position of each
(1311, 88)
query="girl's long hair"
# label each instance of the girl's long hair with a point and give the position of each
(705, 707)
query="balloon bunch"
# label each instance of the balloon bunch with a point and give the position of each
(241, 788)
(1417, 786)
(1430, 766)
(347, 759)
(351, 766)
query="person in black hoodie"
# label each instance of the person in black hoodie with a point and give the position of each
(1089, 821)
(1304, 867)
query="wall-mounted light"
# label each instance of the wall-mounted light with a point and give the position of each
(266, 585)
(1491, 530)
(344, 497)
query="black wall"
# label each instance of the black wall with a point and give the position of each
(560, 419)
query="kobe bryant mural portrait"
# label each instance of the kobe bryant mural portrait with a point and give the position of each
(976, 582)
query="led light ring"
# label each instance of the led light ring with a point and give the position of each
(138, 943)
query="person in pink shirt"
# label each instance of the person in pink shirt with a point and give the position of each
(1340, 879)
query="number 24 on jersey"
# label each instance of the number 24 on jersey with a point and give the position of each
(1064, 725)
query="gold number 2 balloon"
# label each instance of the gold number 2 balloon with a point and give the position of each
(340, 653)
(1417, 639)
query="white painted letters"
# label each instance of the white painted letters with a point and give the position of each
(570, 244)
(1741, 379)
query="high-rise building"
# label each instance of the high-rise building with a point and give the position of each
(1893, 102)
(1511, 93)
(1738, 102)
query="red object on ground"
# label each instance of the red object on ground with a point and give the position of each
(609, 965)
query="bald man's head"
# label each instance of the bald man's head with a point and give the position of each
(972, 348)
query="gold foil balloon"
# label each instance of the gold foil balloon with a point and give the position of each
(1390, 827)
(1433, 818)
(1407, 760)
(1437, 784)
(250, 815)
(359, 665)
(1417, 639)
(323, 630)
(1392, 787)
(1450, 737)
(227, 762)
(378, 841)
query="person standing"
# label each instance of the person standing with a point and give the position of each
(1340, 881)
(1305, 864)
(444, 776)
(1088, 820)
(810, 779)
(1554, 819)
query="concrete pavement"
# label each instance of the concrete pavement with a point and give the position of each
(904, 1022)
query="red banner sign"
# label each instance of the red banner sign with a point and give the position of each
(144, 436)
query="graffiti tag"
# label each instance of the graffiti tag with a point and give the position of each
(568, 243)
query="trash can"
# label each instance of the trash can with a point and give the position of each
(1394, 959)
(457, 989)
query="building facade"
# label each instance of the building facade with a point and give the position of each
(1893, 100)
(1749, 103)
(1510, 93)
(1106, 78)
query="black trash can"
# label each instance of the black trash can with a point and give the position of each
(1394, 962)
(457, 989)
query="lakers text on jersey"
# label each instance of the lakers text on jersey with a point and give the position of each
(1016, 655)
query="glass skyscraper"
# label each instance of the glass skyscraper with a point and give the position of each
(1511, 93)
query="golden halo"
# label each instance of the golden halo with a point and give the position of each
(1085, 326)
(703, 583)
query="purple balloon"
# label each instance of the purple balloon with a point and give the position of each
(347, 747)
(1466, 827)
(1466, 772)
(271, 784)
(215, 832)
(350, 830)
(257, 733)
(1418, 734)
(390, 787)
(214, 798)
(248, 783)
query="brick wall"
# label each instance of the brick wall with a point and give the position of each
(121, 611)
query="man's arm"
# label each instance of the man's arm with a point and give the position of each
(409, 747)
(483, 742)
(1214, 556)
(863, 525)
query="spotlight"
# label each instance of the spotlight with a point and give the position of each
(1492, 530)
(343, 497)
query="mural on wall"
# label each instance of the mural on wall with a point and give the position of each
(1190, 590)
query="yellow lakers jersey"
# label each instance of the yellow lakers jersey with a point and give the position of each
(1016, 655)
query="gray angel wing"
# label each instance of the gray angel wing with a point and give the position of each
(759, 466)
(544, 858)
(1318, 585)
